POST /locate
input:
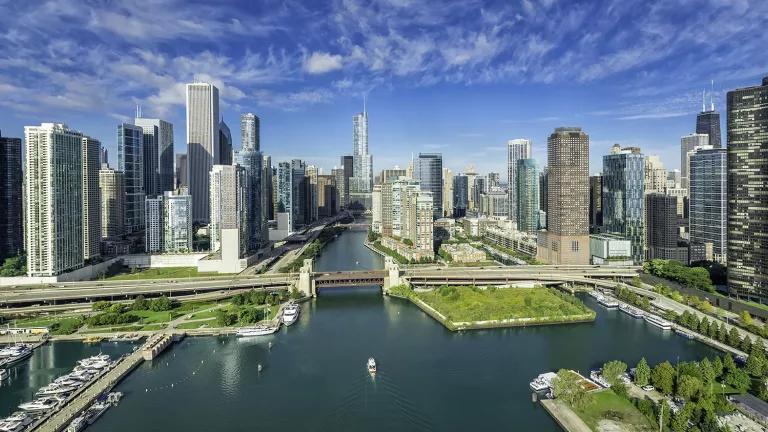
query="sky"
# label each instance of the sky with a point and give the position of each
(460, 78)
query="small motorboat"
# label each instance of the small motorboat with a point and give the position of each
(371, 366)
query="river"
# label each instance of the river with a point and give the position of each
(429, 379)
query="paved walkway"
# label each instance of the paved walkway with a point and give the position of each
(564, 416)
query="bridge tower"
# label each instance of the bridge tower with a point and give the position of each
(306, 284)
(392, 277)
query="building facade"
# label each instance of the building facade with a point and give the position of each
(624, 197)
(158, 155)
(708, 122)
(130, 160)
(177, 223)
(687, 144)
(566, 240)
(91, 198)
(747, 250)
(595, 203)
(154, 208)
(228, 206)
(516, 149)
(361, 182)
(708, 200)
(112, 188)
(447, 192)
(11, 183)
(180, 171)
(428, 170)
(460, 195)
(527, 195)
(663, 224)
(202, 115)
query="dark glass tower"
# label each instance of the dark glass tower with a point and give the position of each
(708, 122)
(11, 229)
(747, 251)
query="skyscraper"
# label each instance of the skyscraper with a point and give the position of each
(299, 195)
(182, 179)
(250, 131)
(91, 198)
(687, 144)
(11, 227)
(447, 192)
(267, 180)
(708, 122)
(655, 175)
(348, 165)
(130, 160)
(527, 195)
(153, 215)
(202, 144)
(595, 203)
(566, 240)
(112, 187)
(177, 223)
(158, 155)
(663, 222)
(747, 199)
(228, 207)
(624, 197)
(460, 195)
(516, 149)
(54, 191)
(284, 187)
(361, 182)
(225, 144)
(429, 172)
(708, 202)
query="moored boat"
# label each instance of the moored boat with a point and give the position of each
(631, 310)
(371, 365)
(608, 302)
(4, 374)
(290, 314)
(658, 322)
(259, 330)
(95, 411)
(542, 382)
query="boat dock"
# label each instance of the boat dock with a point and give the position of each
(85, 396)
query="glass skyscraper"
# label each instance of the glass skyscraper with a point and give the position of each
(130, 160)
(708, 207)
(624, 196)
(527, 194)
(429, 172)
(460, 195)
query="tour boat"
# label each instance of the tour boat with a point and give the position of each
(542, 382)
(290, 314)
(658, 322)
(608, 302)
(631, 311)
(259, 330)
(77, 424)
(42, 404)
(14, 354)
(95, 411)
(371, 366)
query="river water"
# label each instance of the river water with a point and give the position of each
(429, 379)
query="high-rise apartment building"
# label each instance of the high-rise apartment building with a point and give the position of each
(91, 198)
(544, 195)
(655, 175)
(54, 199)
(130, 160)
(229, 206)
(267, 189)
(527, 195)
(708, 201)
(494, 203)
(313, 194)
(361, 182)
(624, 197)
(595, 203)
(203, 148)
(250, 131)
(516, 149)
(11, 183)
(460, 195)
(747, 250)
(112, 188)
(348, 165)
(376, 209)
(177, 223)
(181, 177)
(154, 208)
(447, 192)
(663, 222)
(429, 172)
(687, 144)
(566, 240)
(158, 155)
(479, 187)
(327, 196)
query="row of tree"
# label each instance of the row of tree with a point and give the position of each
(691, 277)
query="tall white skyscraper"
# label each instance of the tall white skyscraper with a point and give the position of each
(516, 149)
(158, 155)
(202, 144)
(153, 237)
(228, 206)
(250, 131)
(361, 182)
(687, 144)
(53, 186)
(177, 223)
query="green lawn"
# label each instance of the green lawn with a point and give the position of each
(150, 317)
(461, 304)
(162, 273)
(196, 325)
(472, 264)
(607, 405)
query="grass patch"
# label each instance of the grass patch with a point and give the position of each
(57, 324)
(464, 304)
(151, 317)
(472, 264)
(196, 325)
(607, 405)
(161, 273)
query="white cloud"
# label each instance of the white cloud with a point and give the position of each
(322, 62)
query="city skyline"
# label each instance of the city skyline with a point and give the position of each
(319, 84)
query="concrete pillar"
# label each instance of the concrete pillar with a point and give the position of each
(306, 283)
(392, 277)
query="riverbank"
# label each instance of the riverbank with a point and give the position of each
(472, 308)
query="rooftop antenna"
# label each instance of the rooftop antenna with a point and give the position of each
(712, 96)
(364, 111)
(138, 111)
(703, 100)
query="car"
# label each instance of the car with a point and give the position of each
(648, 388)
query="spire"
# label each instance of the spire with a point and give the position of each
(364, 111)
(703, 100)
(712, 97)
(138, 111)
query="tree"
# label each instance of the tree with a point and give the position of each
(688, 386)
(101, 305)
(642, 372)
(224, 319)
(663, 377)
(704, 326)
(746, 344)
(728, 363)
(140, 304)
(738, 379)
(755, 365)
(717, 366)
(722, 333)
(161, 304)
(613, 370)
(706, 307)
(745, 317)
(708, 372)
(734, 339)
(566, 386)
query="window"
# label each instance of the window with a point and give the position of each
(574, 245)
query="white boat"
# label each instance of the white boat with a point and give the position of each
(14, 354)
(542, 382)
(20, 417)
(259, 330)
(42, 404)
(77, 424)
(631, 310)
(658, 322)
(608, 302)
(290, 314)
(55, 389)
(597, 377)
(371, 365)
(11, 426)
(95, 411)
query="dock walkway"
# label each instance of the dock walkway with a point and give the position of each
(564, 416)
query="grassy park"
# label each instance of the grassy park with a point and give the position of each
(161, 273)
(606, 407)
(465, 304)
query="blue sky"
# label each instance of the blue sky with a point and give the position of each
(453, 77)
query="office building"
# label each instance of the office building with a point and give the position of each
(130, 160)
(391, 174)
(610, 249)
(527, 195)
(11, 183)
(54, 199)
(338, 176)
(747, 252)
(544, 193)
(225, 144)
(312, 192)
(103, 156)
(91, 198)
(428, 170)
(250, 131)
(494, 180)
(624, 196)
(708, 201)
(154, 208)
(655, 175)
(181, 178)
(203, 148)
(112, 188)
(229, 208)
(663, 233)
(158, 155)
(447, 192)
(348, 165)
(479, 187)
(687, 144)
(268, 190)
(460, 195)
(595, 203)
(255, 197)
(300, 213)
(494, 203)
(708, 122)
(516, 149)
(566, 240)
(327, 199)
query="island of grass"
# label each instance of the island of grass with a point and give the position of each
(470, 307)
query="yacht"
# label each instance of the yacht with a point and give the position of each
(543, 381)
(95, 411)
(20, 417)
(290, 314)
(631, 310)
(11, 426)
(658, 322)
(42, 404)
(371, 366)
(15, 354)
(258, 330)
(54, 389)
